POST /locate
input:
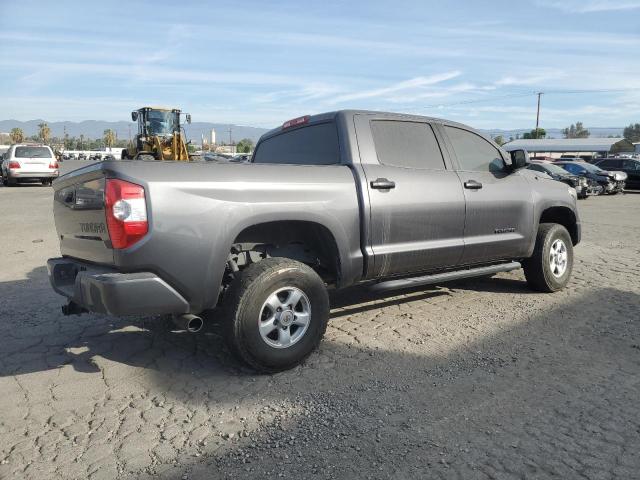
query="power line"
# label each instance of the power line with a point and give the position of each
(528, 94)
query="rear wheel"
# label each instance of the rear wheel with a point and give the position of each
(275, 314)
(549, 268)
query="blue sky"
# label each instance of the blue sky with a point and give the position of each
(260, 63)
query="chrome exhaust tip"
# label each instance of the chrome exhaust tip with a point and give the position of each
(189, 322)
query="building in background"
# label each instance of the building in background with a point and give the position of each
(579, 147)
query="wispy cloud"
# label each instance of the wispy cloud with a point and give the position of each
(412, 83)
(539, 79)
(590, 6)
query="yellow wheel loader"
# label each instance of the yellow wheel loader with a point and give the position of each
(160, 136)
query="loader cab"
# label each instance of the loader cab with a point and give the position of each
(156, 122)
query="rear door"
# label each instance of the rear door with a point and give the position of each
(499, 204)
(632, 169)
(416, 199)
(33, 159)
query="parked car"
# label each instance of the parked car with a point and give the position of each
(27, 163)
(212, 157)
(583, 185)
(627, 165)
(82, 156)
(346, 198)
(611, 182)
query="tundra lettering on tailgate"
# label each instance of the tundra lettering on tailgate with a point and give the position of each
(92, 227)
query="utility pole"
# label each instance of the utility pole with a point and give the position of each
(538, 114)
(230, 139)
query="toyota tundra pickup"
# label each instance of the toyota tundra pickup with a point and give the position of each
(383, 200)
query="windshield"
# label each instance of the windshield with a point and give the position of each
(549, 167)
(593, 168)
(32, 152)
(161, 123)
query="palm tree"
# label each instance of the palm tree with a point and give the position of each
(44, 132)
(17, 135)
(109, 137)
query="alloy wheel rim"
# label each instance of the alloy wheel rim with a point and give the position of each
(284, 317)
(558, 258)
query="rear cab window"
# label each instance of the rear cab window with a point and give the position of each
(406, 144)
(315, 144)
(32, 152)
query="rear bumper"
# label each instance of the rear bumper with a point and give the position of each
(17, 175)
(105, 290)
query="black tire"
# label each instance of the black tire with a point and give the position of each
(538, 270)
(10, 182)
(124, 155)
(244, 303)
(145, 157)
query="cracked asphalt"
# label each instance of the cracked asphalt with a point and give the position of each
(481, 379)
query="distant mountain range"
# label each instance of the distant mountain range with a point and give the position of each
(195, 131)
(96, 128)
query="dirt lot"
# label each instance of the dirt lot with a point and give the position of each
(478, 379)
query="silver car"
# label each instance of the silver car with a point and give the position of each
(29, 163)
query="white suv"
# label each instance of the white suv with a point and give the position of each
(29, 162)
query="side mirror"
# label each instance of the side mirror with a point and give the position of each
(188, 116)
(519, 159)
(134, 116)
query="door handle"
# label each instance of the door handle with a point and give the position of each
(472, 185)
(382, 184)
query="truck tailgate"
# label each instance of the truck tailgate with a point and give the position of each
(78, 210)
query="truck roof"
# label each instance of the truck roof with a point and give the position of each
(323, 117)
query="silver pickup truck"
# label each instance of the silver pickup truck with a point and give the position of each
(346, 198)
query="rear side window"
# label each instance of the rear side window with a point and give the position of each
(312, 145)
(474, 153)
(406, 144)
(608, 164)
(32, 152)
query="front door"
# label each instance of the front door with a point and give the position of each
(416, 199)
(499, 217)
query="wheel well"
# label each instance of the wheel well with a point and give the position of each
(308, 242)
(563, 216)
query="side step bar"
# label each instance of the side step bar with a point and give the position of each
(443, 277)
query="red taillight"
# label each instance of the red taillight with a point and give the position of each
(14, 165)
(126, 212)
(53, 165)
(295, 122)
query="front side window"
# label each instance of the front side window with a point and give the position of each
(474, 153)
(32, 152)
(406, 144)
(311, 145)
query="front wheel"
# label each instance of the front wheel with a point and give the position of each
(275, 314)
(549, 268)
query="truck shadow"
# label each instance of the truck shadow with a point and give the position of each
(524, 397)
